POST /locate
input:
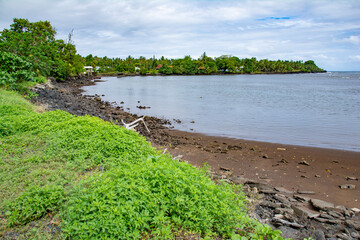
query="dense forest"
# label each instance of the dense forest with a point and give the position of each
(202, 65)
(29, 51)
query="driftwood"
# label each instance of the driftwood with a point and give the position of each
(135, 123)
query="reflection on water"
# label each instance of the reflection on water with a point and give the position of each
(303, 109)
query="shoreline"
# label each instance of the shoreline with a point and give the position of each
(268, 142)
(120, 74)
(284, 183)
(319, 171)
(325, 171)
(297, 135)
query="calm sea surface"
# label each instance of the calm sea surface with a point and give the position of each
(321, 110)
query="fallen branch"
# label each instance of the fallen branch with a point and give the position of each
(135, 123)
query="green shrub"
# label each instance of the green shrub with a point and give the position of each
(107, 182)
(14, 70)
(154, 198)
(34, 203)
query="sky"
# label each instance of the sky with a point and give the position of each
(325, 31)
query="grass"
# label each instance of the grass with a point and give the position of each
(69, 177)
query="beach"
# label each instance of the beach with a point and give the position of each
(297, 169)
(313, 172)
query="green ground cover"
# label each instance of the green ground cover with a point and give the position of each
(69, 177)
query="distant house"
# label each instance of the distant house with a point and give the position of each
(159, 66)
(89, 70)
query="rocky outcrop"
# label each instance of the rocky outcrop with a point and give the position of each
(297, 216)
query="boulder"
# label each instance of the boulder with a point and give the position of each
(336, 214)
(283, 190)
(353, 224)
(269, 204)
(284, 210)
(319, 235)
(322, 205)
(355, 235)
(240, 180)
(304, 212)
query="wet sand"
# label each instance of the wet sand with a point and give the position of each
(278, 165)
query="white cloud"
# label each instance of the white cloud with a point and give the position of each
(355, 58)
(352, 39)
(326, 31)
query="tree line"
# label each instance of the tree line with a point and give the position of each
(29, 51)
(203, 65)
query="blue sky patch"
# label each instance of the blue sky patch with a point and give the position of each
(274, 18)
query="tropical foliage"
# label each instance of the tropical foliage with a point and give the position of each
(41, 53)
(95, 180)
(14, 70)
(35, 42)
(202, 65)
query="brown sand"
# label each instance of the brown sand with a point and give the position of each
(277, 164)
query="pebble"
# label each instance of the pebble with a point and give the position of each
(306, 192)
(351, 178)
(279, 221)
(304, 163)
(347, 186)
(355, 210)
(225, 169)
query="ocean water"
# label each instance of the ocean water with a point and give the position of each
(320, 110)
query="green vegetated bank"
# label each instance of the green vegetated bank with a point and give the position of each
(69, 177)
